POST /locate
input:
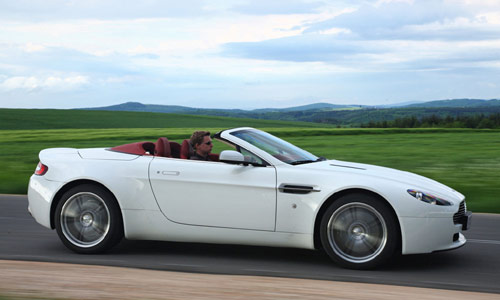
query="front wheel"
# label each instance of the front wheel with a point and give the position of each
(359, 231)
(88, 219)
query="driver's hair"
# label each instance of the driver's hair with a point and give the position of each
(197, 137)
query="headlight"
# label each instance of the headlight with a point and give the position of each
(428, 198)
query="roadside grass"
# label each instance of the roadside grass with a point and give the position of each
(15, 296)
(466, 160)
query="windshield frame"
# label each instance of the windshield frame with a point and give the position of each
(273, 146)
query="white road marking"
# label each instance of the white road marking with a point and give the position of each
(14, 218)
(183, 265)
(263, 270)
(492, 242)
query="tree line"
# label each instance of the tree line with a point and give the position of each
(478, 121)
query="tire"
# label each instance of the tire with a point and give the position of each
(359, 231)
(88, 219)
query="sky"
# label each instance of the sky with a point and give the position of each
(246, 54)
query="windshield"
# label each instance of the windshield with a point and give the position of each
(277, 147)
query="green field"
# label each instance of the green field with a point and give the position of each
(78, 119)
(466, 160)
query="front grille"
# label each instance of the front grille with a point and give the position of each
(460, 213)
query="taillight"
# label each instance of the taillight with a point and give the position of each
(41, 169)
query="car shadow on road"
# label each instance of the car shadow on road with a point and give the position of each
(205, 253)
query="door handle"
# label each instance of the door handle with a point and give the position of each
(170, 173)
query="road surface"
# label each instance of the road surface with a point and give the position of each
(474, 267)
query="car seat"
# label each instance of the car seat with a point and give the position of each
(162, 147)
(175, 149)
(186, 149)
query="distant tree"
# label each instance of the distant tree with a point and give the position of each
(448, 121)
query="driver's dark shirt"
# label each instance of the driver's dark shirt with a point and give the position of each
(196, 156)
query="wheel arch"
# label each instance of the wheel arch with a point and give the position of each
(67, 187)
(337, 195)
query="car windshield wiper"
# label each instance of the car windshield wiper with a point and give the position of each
(305, 161)
(300, 162)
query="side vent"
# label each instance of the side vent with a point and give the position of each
(296, 189)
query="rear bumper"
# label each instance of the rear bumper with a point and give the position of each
(40, 195)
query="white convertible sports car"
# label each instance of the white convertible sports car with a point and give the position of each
(264, 192)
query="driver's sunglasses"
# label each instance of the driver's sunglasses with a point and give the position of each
(208, 143)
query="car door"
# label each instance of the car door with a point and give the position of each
(215, 194)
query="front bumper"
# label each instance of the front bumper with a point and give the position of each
(462, 216)
(430, 234)
(465, 220)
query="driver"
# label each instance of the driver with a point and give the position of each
(202, 144)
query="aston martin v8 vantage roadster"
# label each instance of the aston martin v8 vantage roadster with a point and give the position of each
(265, 191)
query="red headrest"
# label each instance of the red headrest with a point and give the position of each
(186, 149)
(162, 147)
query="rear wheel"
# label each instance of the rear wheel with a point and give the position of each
(359, 231)
(88, 219)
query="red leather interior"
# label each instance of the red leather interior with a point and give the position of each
(186, 149)
(139, 148)
(175, 149)
(162, 147)
(214, 156)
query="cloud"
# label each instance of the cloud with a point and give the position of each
(414, 20)
(278, 7)
(50, 83)
(53, 60)
(373, 20)
(30, 47)
(302, 48)
(36, 10)
(60, 53)
(390, 35)
(147, 56)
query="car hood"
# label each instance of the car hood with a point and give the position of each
(411, 180)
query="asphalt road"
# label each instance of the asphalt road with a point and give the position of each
(474, 267)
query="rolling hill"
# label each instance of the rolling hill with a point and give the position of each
(138, 115)
(458, 103)
(326, 113)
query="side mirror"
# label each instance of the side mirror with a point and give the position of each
(232, 157)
